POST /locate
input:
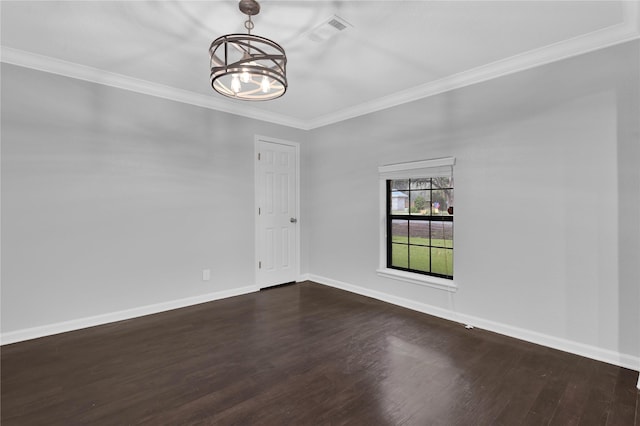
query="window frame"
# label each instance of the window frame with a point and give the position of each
(390, 217)
(409, 170)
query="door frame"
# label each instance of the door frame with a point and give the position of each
(256, 197)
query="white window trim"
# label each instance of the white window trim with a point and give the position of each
(407, 171)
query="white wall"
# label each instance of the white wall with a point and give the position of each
(546, 161)
(113, 200)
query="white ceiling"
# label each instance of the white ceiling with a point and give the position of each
(394, 51)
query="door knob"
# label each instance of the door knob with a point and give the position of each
(293, 220)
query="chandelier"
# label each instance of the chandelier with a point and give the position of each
(246, 66)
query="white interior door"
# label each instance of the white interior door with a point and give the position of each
(277, 210)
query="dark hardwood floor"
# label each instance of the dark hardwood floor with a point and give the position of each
(304, 354)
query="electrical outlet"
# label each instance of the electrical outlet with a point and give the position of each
(206, 274)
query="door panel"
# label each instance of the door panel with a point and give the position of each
(276, 187)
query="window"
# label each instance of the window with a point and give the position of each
(417, 226)
(420, 225)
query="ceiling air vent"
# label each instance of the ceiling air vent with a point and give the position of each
(337, 24)
(328, 29)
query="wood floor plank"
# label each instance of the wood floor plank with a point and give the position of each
(601, 392)
(622, 410)
(576, 392)
(304, 354)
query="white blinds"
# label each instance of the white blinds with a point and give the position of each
(418, 169)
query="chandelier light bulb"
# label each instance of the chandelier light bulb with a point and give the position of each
(245, 77)
(235, 84)
(265, 85)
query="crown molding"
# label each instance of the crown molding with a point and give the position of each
(48, 64)
(627, 30)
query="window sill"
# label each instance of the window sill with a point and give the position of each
(419, 279)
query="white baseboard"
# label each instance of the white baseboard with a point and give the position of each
(588, 351)
(303, 277)
(77, 324)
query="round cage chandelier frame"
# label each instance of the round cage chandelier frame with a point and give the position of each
(246, 66)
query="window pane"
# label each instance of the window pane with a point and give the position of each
(442, 234)
(400, 255)
(399, 202)
(441, 200)
(400, 184)
(419, 258)
(419, 232)
(421, 183)
(442, 182)
(419, 202)
(399, 231)
(442, 261)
